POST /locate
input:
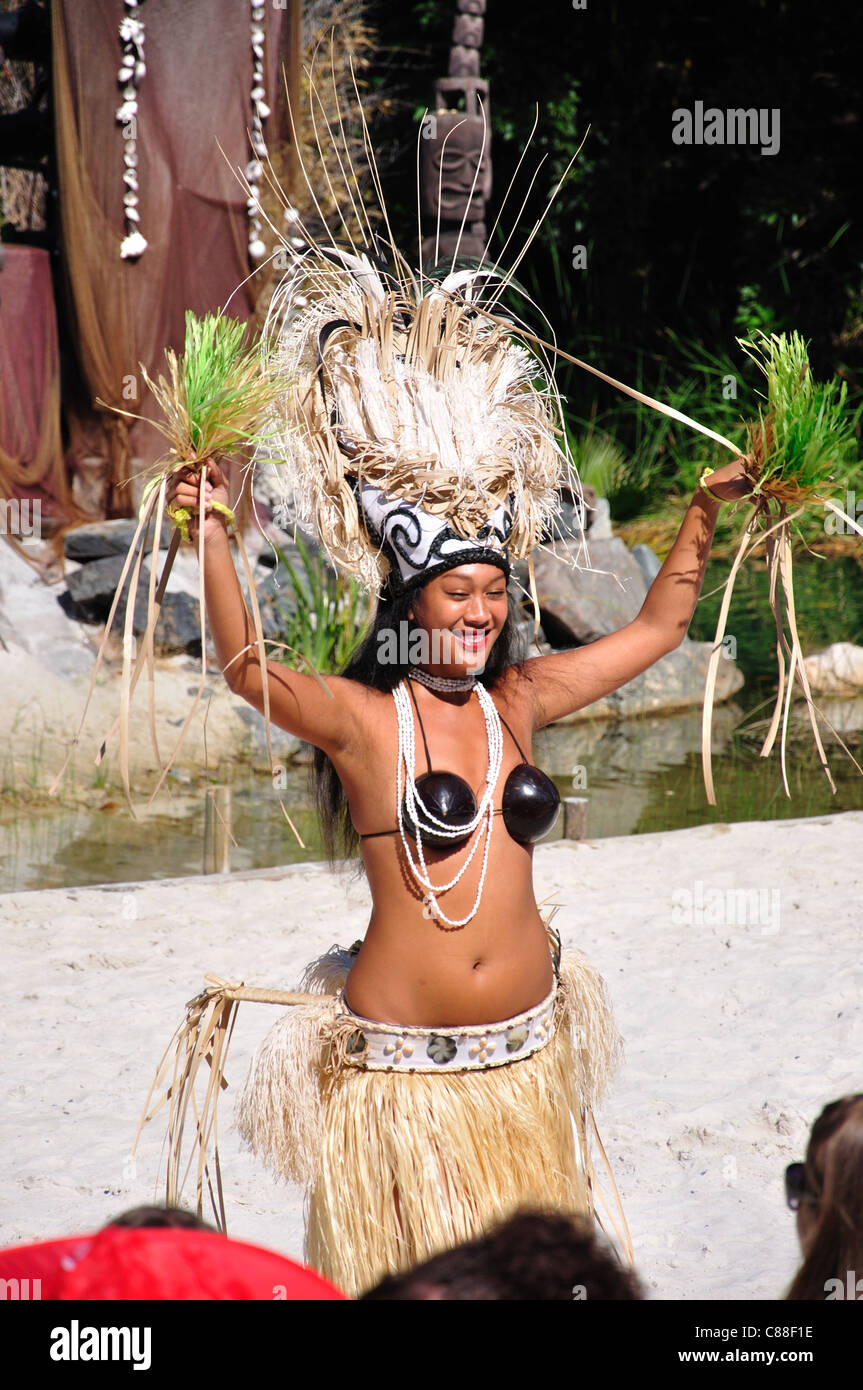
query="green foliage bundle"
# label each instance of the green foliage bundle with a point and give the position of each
(795, 450)
(805, 439)
(213, 399)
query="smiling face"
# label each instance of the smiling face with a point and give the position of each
(462, 611)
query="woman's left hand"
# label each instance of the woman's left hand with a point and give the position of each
(731, 482)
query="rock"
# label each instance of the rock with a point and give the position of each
(179, 625)
(674, 682)
(286, 748)
(590, 499)
(46, 660)
(567, 525)
(101, 538)
(845, 713)
(91, 591)
(275, 598)
(577, 606)
(32, 622)
(273, 584)
(838, 670)
(649, 563)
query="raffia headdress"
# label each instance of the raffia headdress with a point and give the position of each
(417, 432)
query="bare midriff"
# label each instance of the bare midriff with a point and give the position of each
(413, 969)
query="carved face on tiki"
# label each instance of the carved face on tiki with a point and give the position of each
(459, 155)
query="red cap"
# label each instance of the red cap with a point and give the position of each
(152, 1263)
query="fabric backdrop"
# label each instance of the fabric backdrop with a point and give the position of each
(194, 97)
(31, 454)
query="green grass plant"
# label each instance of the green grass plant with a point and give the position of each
(214, 402)
(326, 613)
(795, 450)
(213, 399)
(805, 440)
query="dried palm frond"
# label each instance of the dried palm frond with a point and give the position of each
(204, 1036)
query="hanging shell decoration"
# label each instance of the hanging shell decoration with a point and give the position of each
(131, 72)
(260, 111)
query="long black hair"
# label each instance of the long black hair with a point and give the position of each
(391, 628)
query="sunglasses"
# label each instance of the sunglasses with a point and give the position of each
(797, 1189)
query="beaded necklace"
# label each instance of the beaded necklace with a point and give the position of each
(408, 799)
(444, 685)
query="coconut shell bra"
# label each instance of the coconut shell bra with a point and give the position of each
(529, 806)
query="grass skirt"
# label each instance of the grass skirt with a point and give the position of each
(399, 1165)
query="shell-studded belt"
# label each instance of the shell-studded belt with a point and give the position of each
(389, 1047)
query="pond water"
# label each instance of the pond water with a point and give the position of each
(638, 775)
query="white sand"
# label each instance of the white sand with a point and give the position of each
(740, 1024)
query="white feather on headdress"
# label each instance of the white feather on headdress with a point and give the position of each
(427, 399)
(405, 382)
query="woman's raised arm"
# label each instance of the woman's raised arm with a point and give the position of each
(567, 682)
(297, 702)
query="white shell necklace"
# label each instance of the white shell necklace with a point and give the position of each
(407, 797)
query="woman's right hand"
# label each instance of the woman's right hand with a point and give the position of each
(184, 491)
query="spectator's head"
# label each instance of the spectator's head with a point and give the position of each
(827, 1193)
(175, 1217)
(532, 1256)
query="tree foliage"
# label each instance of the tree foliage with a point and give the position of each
(711, 242)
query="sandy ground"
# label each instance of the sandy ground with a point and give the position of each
(743, 1015)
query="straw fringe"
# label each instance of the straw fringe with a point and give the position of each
(597, 1047)
(200, 1046)
(400, 1165)
(414, 1164)
(280, 1113)
(328, 974)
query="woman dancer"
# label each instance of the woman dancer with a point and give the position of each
(451, 1079)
